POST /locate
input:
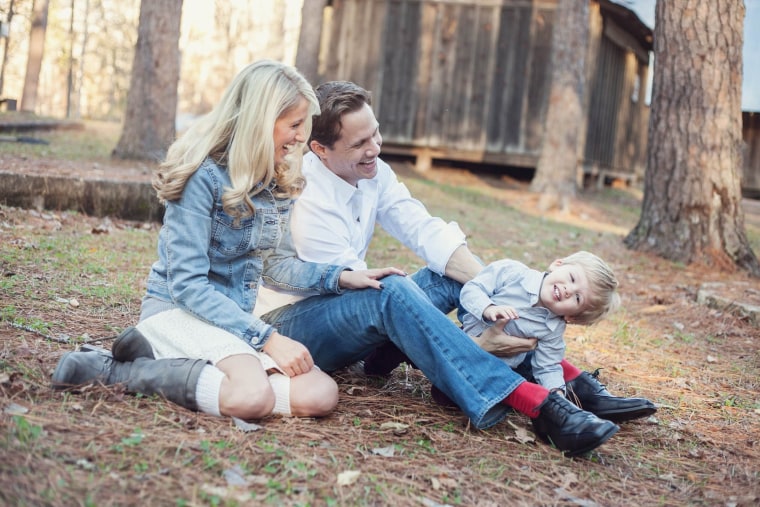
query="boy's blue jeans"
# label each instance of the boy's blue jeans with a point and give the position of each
(341, 329)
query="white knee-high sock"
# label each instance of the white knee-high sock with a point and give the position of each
(281, 387)
(207, 390)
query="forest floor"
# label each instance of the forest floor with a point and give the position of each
(69, 279)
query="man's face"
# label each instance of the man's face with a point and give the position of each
(353, 157)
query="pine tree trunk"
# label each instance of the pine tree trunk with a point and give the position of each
(691, 210)
(307, 56)
(149, 124)
(36, 50)
(556, 171)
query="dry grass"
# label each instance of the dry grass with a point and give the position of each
(104, 447)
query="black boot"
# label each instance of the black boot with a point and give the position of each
(130, 345)
(590, 394)
(569, 428)
(174, 379)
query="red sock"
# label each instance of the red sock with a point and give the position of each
(569, 371)
(526, 398)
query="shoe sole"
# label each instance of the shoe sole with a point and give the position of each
(591, 447)
(618, 417)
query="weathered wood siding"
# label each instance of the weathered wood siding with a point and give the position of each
(469, 80)
(751, 169)
(617, 113)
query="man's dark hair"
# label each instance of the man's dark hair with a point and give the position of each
(336, 98)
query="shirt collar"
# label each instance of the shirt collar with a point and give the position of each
(531, 282)
(342, 191)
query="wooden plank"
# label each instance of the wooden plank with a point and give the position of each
(485, 58)
(424, 75)
(539, 81)
(460, 87)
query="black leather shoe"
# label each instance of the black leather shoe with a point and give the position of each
(590, 394)
(384, 359)
(130, 345)
(442, 398)
(570, 429)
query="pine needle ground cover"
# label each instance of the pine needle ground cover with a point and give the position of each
(69, 279)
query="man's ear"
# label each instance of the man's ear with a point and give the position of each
(318, 149)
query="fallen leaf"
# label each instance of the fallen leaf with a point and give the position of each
(244, 426)
(569, 479)
(85, 464)
(348, 477)
(235, 476)
(15, 409)
(393, 426)
(73, 302)
(387, 452)
(654, 309)
(521, 435)
(711, 359)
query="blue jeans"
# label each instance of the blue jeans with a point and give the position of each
(442, 291)
(341, 329)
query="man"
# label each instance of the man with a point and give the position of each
(348, 190)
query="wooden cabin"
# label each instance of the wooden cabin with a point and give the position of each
(751, 167)
(469, 80)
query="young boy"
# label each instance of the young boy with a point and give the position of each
(577, 289)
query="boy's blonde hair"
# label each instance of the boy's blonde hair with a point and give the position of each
(239, 133)
(602, 284)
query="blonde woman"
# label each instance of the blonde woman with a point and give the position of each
(228, 185)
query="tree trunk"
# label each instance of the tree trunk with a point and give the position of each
(307, 55)
(5, 48)
(691, 210)
(556, 171)
(149, 123)
(36, 50)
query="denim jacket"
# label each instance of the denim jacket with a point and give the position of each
(209, 263)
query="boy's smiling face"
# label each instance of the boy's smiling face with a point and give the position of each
(565, 290)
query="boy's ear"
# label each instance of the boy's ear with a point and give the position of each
(554, 265)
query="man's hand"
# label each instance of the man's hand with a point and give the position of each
(498, 343)
(293, 357)
(367, 278)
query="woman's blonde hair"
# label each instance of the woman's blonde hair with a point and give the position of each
(603, 284)
(239, 133)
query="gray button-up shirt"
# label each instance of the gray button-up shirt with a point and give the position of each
(511, 283)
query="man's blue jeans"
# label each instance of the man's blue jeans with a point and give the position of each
(341, 329)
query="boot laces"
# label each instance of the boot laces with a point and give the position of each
(573, 397)
(595, 376)
(564, 410)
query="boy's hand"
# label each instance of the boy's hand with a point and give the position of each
(495, 312)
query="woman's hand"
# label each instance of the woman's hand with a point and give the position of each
(293, 357)
(366, 278)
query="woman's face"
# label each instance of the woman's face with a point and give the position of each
(290, 130)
